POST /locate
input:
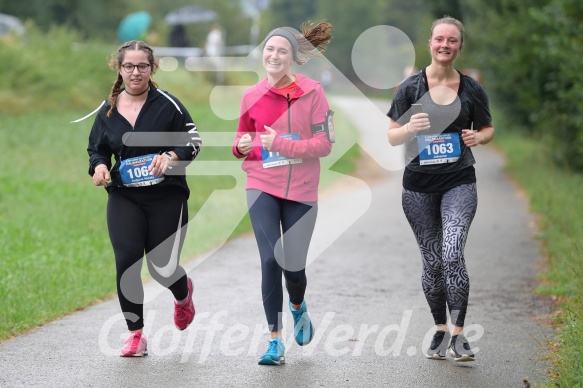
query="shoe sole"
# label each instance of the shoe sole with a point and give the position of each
(435, 356)
(463, 358)
(141, 354)
(271, 361)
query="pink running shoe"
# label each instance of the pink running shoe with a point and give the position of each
(135, 346)
(184, 312)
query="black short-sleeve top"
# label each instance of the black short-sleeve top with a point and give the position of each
(470, 110)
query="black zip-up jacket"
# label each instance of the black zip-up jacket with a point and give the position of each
(162, 125)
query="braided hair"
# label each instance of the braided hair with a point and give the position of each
(115, 62)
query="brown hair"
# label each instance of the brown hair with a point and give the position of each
(312, 37)
(449, 20)
(115, 62)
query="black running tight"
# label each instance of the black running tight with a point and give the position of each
(150, 220)
(270, 216)
(440, 222)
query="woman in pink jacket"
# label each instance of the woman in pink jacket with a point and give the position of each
(285, 126)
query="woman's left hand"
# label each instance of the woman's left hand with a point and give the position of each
(471, 138)
(267, 137)
(160, 164)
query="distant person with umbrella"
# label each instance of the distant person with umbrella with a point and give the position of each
(190, 14)
(139, 146)
(214, 48)
(134, 26)
(178, 36)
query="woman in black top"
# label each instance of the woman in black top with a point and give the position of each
(152, 138)
(440, 114)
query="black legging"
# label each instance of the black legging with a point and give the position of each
(270, 216)
(146, 220)
(440, 222)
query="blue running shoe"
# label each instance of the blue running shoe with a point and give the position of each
(303, 329)
(275, 354)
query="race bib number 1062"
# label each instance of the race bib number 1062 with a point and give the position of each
(134, 171)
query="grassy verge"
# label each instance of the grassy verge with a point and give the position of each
(555, 195)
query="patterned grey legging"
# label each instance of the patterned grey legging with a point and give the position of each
(440, 222)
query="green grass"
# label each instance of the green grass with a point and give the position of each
(555, 196)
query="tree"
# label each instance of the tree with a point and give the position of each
(558, 47)
(441, 8)
(291, 13)
(89, 18)
(530, 53)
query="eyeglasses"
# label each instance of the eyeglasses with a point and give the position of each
(129, 67)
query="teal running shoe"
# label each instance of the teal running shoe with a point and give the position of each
(303, 329)
(275, 354)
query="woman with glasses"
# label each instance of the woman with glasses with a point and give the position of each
(140, 144)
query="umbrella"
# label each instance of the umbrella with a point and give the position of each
(9, 23)
(190, 15)
(133, 26)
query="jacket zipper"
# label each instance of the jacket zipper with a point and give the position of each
(288, 131)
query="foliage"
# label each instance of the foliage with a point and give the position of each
(99, 20)
(52, 70)
(558, 48)
(529, 54)
(290, 13)
(347, 28)
(441, 8)
(89, 18)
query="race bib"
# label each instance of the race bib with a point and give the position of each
(134, 171)
(274, 159)
(438, 149)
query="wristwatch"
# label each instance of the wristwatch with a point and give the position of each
(169, 155)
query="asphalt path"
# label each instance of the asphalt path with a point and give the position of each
(364, 295)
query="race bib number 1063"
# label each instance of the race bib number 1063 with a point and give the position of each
(437, 149)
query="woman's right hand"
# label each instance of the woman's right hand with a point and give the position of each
(245, 144)
(419, 122)
(101, 175)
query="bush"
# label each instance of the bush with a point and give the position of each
(48, 71)
(538, 84)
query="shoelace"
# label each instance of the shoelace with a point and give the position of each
(463, 342)
(437, 339)
(272, 347)
(135, 341)
(181, 312)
